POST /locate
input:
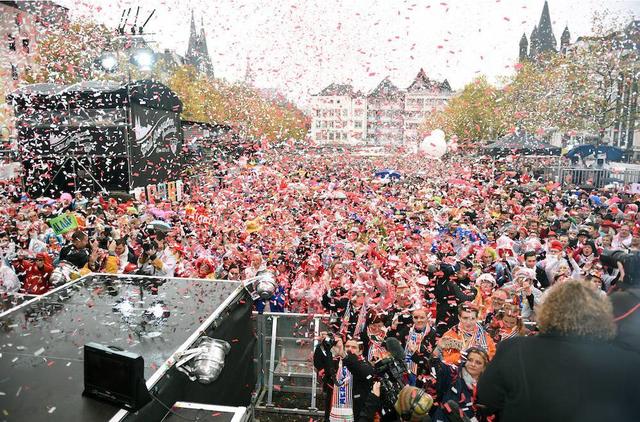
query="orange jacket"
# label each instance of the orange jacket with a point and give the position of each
(452, 355)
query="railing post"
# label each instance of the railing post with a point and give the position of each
(272, 360)
(314, 375)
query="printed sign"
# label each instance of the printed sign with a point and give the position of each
(63, 223)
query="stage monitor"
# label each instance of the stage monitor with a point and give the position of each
(114, 375)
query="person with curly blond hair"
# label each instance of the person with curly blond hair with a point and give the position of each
(569, 372)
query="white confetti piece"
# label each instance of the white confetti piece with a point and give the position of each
(52, 409)
(55, 331)
(39, 351)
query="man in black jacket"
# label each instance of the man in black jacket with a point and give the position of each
(449, 294)
(625, 298)
(570, 372)
(78, 252)
(326, 363)
(362, 372)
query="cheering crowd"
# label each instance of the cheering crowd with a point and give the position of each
(439, 267)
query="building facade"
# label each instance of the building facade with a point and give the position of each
(387, 115)
(423, 96)
(22, 26)
(339, 115)
(625, 132)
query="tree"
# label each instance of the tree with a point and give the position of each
(473, 115)
(601, 66)
(66, 55)
(581, 90)
(237, 105)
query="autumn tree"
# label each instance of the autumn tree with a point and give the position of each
(237, 105)
(66, 55)
(473, 115)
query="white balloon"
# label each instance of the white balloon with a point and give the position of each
(434, 145)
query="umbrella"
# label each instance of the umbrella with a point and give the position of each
(613, 153)
(160, 226)
(388, 173)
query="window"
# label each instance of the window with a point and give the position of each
(14, 72)
(345, 112)
(344, 135)
(317, 113)
(25, 45)
(357, 125)
(317, 123)
(12, 42)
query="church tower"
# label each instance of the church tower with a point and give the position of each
(565, 40)
(533, 43)
(524, 47)
(197, 51)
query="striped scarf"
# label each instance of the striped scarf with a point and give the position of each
(413, 339)
(375, 349)
(480, 339)
(342, 399)
(344, 326)
(362, 320)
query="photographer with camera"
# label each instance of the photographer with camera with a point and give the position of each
(327, 360)
(156, 257)
(625, 297)
(391, 397)
(362, 372)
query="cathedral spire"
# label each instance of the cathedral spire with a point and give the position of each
(193, 37)
(546, 39)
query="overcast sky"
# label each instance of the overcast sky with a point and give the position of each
(301, 46)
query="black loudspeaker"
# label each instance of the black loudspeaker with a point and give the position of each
(114, 375)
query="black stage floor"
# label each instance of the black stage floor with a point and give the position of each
(41, 343)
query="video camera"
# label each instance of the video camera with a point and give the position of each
(391, 372)
(630, 262)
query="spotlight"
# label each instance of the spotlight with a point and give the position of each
(144, 58)
(207, 360)
(262, 286)
(108, 62)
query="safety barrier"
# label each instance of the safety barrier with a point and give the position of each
(286, 379)
(596, 178)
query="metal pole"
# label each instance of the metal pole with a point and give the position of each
(272, 360)
(314, 375)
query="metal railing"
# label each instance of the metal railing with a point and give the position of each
(588, 176)
(285, 346)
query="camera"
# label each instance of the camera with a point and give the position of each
(329, 341)
(630, 262)
(391, 374)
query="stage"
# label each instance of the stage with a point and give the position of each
(42, 343)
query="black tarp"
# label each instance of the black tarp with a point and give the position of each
(521, 143)
(98, 133)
